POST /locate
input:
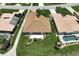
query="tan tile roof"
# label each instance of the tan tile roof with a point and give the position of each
(36, 24)
(66, 23)
(77, 13)
(5, 19)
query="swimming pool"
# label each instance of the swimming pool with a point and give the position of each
(69, 38)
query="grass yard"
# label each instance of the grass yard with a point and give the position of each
(76, 8)
(44, 47)
(45, 12)
(63, 11)
(8, 10)
(38, 48)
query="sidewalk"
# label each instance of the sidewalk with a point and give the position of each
(52, 11)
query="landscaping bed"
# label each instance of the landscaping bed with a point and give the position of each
(76, 8)
(50, 4)
(45, 12)
(35, 4)
(8, 10)
(63, 11)
(4, 44)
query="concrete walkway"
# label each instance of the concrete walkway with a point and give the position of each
(70, 9)
(41, 4)
(53, 11)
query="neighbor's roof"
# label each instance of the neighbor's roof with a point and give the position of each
(77, 13)
(66, 23)
(5, 20)
(36, 24)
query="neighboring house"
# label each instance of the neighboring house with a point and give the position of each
(8, 22)
(67, 28)
(66, 24)
(36, 26)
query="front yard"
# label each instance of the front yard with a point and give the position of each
(63, 11)
(45, 12)
(76, 8)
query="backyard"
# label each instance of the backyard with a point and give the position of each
(44, 47)
(63, 11)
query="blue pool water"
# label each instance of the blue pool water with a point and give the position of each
(69, 38)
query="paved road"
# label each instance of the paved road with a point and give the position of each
(36, 7)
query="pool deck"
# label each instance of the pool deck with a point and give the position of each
(64, 42)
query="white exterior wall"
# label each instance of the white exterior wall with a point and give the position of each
(41, 36)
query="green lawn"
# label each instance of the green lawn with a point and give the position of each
(43, 12)
(76, 8)
(63, 11)
(40, 48)
(44, 47)
(8, 10)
